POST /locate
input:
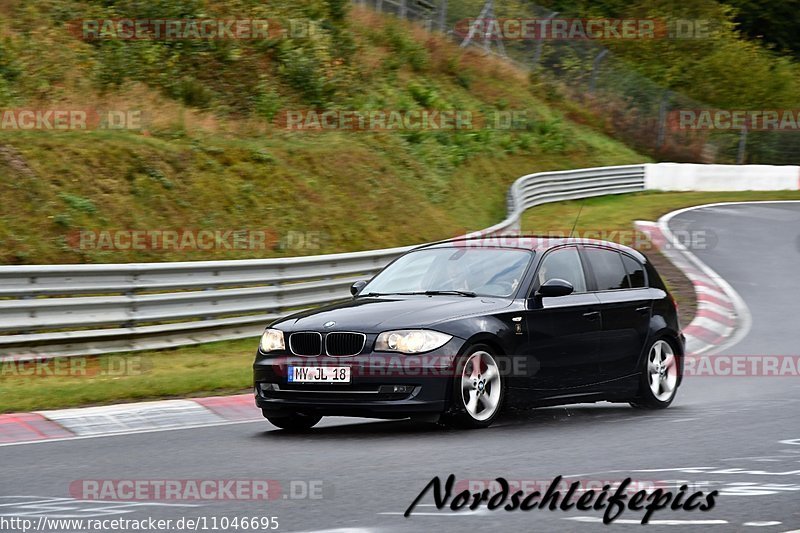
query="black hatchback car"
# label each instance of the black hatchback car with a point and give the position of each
(455, 330)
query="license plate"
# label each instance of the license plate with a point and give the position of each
(319, 374)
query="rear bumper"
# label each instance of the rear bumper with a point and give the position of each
(382, 385)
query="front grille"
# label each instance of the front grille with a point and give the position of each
(308, 343)
(342, 344)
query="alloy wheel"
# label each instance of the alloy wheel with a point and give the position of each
(662, 370)
(480, 386)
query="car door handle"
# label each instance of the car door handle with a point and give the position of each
(592, 315)
(643, 310)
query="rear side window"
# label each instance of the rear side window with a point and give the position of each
(635, 271)
(609, 271)
(565, 264)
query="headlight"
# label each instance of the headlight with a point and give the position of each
(410, 341)
(272, 341)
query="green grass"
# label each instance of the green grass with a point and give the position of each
(225, 367)
(203, 370)
(620, 211)
(352, 191)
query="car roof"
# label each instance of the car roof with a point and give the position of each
(536, 243)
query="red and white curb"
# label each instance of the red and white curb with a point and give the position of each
(125, 419)
(722, 318)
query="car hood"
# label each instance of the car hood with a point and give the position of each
(373, 315)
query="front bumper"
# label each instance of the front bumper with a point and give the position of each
(383, 385)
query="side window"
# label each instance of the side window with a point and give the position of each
(635, 271)
(609, 271)
(563, 264)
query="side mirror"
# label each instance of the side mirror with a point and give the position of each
(356, 287)
(555, 287)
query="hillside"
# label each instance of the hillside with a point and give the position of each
(210, 153)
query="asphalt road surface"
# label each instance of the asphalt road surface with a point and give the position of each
(737, 435)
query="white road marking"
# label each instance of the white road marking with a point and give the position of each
(58, 507)
(132, 417)
(596, 520)
(705, 470)
(760, 457)
(705, 304)
(132, 432)
(765, 523)
(443, 512)
(712, 325)
(344, 530)
(702, 289)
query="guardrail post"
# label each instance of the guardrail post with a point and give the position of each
(662, 119)
(742, 145)
(537, 55)
(595, 67)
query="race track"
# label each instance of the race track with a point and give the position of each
(738, 435)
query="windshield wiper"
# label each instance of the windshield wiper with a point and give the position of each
(468, 294)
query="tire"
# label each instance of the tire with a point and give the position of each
(659, 377)
(478, 390)
(294, 422)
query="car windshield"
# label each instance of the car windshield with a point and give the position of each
(461, 271)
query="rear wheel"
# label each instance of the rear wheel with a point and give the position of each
(294, 421)
(659, 378)
(478, 390)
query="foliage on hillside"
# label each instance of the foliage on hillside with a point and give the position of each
(725, 68)
(211, 157)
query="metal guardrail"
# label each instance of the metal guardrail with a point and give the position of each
(87, 309)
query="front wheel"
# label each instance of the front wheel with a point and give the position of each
(294, 421)
(659, 379)
(478, 390)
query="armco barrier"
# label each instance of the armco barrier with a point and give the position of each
(695, 177)
(88, 309)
